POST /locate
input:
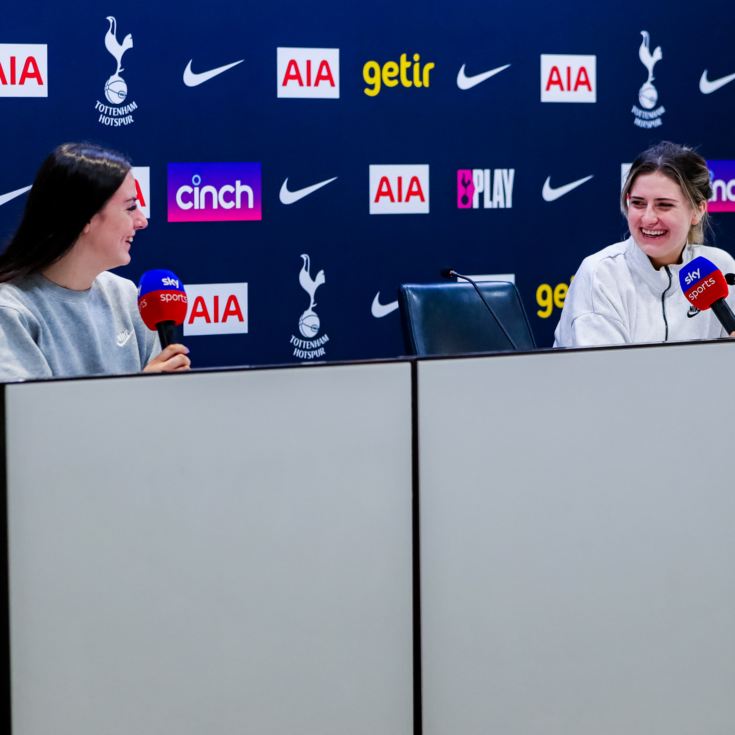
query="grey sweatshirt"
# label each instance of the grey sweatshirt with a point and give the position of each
(50, 331)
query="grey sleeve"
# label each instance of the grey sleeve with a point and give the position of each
(20, 356)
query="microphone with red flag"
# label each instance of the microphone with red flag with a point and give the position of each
(705, 287)
(162, 303)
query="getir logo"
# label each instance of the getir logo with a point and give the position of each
(723, 186)
(23, 70)
(568, 78)
(308, 72)
(406, 72)
(399, 189)
(216, 308)
(485, 188)
(142, 176)
(214, 192)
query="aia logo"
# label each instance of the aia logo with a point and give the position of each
(568, 78)
(399, 189)
(142, 176)
(23, 70)
(485, 188)
(216, 308)
(308, 72)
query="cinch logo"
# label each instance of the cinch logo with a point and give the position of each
(399, 189)
(407, 73)
(308, 72)
(568, 78)
(214, 192)
(23, 70)
(216, 308)
(142, 176)
(485, 188)
(723, 186)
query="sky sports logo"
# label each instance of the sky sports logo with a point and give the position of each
(214, 192)
(723, 186)
(23, 70)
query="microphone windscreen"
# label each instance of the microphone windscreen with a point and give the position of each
(702, 283)
(161, 298)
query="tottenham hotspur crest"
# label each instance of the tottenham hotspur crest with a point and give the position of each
(116, 88)
(648, 94)
(311, 346)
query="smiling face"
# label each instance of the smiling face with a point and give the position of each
(108, 236)
(660, 217)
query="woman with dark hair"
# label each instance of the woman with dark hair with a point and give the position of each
(61, 312)
(629, 292)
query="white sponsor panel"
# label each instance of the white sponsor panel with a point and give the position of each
(505, 277)
(624, 168)
(399, 189)
(142, 176)
(23, 70)
(216, 308)
(308, 72)
(568, 78)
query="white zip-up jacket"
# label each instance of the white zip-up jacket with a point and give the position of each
(617, 297)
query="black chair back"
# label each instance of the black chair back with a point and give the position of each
(450, 318)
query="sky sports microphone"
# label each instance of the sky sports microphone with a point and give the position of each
(162, 303)
(451, 273)
(705, 287)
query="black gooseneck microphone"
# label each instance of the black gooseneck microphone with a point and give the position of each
(451, 273)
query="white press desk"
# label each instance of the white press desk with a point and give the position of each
(237, 551)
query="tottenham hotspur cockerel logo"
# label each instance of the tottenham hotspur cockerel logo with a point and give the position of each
(116, 88)
(310, 347)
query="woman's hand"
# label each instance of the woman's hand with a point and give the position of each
(171, 360)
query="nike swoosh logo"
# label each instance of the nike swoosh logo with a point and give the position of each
(5, 198)
(693, 311)
(465, 82)
(124, 337)
(707, 87)
(193, 79)
(550, 193)
(290, 197)
(379, 310)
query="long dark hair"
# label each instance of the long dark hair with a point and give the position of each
(71, 186)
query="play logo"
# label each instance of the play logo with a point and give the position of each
(723, 186)
(216, 308)
(568, 78)
(399, 189)
(308, 72)
(214, 192)
(485, 188)
(23, 70)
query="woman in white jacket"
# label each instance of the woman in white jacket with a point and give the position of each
(629, 292)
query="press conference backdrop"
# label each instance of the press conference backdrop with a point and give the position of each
(298, 161)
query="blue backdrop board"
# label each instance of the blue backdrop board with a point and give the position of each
(300, 161)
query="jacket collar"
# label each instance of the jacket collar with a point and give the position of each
(656, 280)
